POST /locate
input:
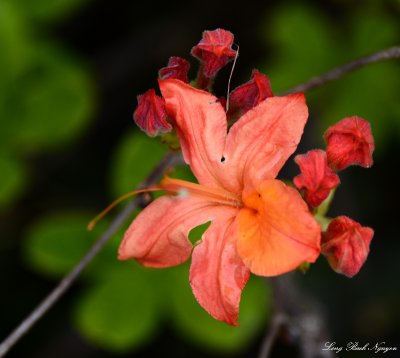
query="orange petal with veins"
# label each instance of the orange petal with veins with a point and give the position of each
(158, 237)
(261, 141)
(200, 122)
(217, 273)
(277, 232)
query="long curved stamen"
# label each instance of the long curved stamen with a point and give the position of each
(177, 186)
(219, 196)
(104, 212)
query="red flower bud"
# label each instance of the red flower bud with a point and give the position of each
(316, 178)
(150, 114)
(249, 95)
(177, 68)
(214, 51)
(346, 245)
(349, 141)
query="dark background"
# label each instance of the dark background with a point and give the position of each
(123, 44)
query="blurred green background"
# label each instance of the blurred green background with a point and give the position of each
(69, 75)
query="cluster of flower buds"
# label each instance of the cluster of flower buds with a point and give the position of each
(214, 51)
(345, 243)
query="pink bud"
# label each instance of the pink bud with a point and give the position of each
(150, 114)
(316, 178)
(214, 51)
(177, 68)
(349, 141)
(248, 95)
(346, 245)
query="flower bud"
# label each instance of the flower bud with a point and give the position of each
(150, 114)
(316, 179)
(248, 95)
(346, 245)
(213, 51)
(177, 68)
(349, 142)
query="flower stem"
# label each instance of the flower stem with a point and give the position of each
(336, 73)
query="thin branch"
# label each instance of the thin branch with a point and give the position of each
(279, 320)
(169, 160)
(336, 73)
(299, 317)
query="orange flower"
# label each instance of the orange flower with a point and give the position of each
(258, 224)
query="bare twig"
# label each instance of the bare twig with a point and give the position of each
(279, 320)
(169, 160)
(318, 81)
(297, 319)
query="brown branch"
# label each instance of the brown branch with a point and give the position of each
(336, 73)
(297, 320)
(279, 320)
(170, 159)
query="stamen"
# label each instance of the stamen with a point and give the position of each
(182, 188)
(219, 196)
(93, 222)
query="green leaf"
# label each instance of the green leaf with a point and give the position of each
(50, 104)
(14, 43)
(320, 213)
(323, 208)
(324, 221)
(304, 45)
(121, 312)
(47, 10)
(56, 243)
(183, 172)
(374, 30)
(198, 326)
(197, 232)
(370, 93)
(12, 179)
(134, 160)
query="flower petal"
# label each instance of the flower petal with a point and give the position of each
(217, 274)
(277, 233)
(261, 141)
(201, 125)
(158, 237)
